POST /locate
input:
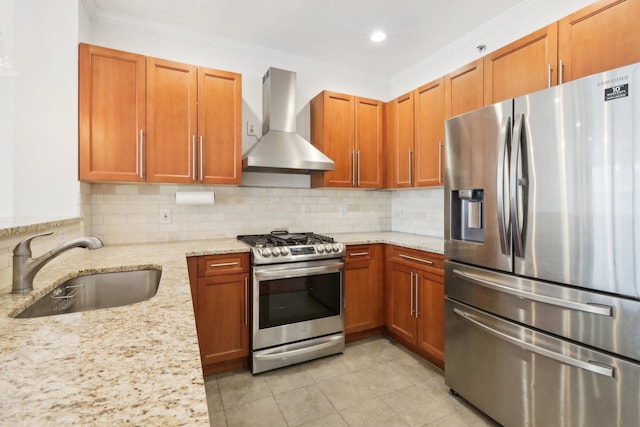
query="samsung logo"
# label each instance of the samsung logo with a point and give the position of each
(612, 81)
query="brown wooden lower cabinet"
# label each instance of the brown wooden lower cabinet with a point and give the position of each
(388, 289)
(220, 289)
(414, 299)
(363, 291)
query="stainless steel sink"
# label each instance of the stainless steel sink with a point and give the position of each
(95, 291)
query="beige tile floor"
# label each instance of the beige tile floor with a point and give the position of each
(375, 382)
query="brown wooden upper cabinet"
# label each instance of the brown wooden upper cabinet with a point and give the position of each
(600, 37)
(348, 129)
(429, 134)
(522, 67)
(184, 128)
(194, 119)
(399, 141)
(463, 89)
(112, 120)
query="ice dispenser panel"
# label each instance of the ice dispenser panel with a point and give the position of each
(467, 212)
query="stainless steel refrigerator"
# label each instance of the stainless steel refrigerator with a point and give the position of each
(542, 236)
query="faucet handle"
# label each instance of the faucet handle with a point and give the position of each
(24, 247)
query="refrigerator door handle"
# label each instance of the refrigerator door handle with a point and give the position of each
(516, 145)
(504, 140)
(603, 310)
(588, 365)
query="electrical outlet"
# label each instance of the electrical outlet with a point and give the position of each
(165, 216)
(251, 129)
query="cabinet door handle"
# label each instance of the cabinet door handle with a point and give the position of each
(424, 261)
(353, 168)
(201, 159)
(549, 71)
(193, 157)
(246, 301)
(359, 254)
(440, 149)
(358, 182)
(410, 167)
(560, 72)
(223, 264)
(411, 289)
(141, 157)
(417, 297)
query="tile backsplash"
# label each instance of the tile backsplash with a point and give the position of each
(123, 213)
(418, 211)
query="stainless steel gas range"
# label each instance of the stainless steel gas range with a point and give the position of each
(297, 298)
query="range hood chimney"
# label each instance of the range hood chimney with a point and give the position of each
(281, 149)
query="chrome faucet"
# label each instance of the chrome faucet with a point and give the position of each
(25, 268)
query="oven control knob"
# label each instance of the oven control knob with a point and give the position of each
(265, 252)
(336, 247)
(275, 252)
(284, 251)
(320, 249)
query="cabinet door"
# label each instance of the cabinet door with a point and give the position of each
(429, 134)
(522, 67)
(368, 143)
(111, 114)
(172, 120)
(401, 320)
(332, 132)
(400, 141)
(219, 127)
(464, 89)
(222, 318)
(363, 291)
(599, 37)
(431, 315)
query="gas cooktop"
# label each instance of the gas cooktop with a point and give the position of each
(282, 246)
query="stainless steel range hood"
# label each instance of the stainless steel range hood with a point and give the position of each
(281, 149)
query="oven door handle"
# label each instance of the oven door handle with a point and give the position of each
(297, 272)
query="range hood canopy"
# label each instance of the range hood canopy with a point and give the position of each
(281, 149)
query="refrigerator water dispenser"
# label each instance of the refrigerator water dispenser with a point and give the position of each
(467, 215)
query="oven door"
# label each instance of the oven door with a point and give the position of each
(297, 301)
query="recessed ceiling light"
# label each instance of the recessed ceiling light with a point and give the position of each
(378, 36)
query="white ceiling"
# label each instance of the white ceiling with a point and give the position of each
(329, 31)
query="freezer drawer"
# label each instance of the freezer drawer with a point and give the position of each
(522, 377)
(597, 319)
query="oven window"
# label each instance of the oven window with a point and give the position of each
(298, 299)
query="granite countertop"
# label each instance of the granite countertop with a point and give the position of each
(137, 364)
(407, 240)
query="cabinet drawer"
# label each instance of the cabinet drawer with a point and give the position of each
(358, 253)
(416, 258)
(223, 264)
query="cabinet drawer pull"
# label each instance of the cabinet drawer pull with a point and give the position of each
(223, 264)
(359, 254)
(424, 261)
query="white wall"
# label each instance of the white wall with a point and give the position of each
(6, 114)
(526, 17)
(44, 108)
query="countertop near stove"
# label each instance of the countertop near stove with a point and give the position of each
(407, 240)
(137, 364)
